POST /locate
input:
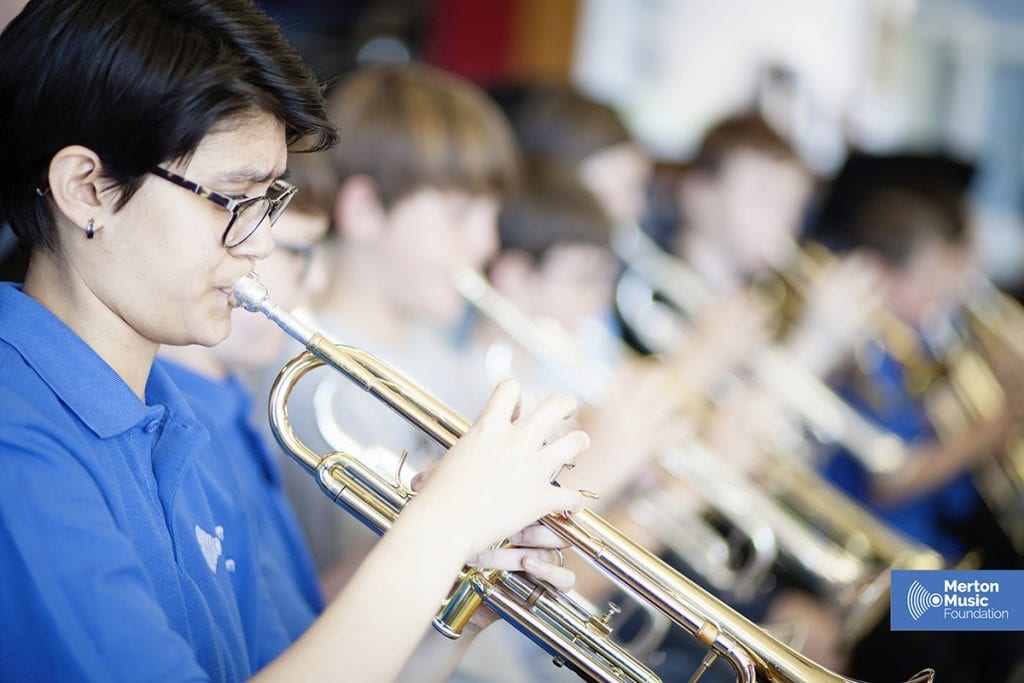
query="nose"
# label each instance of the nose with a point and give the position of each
(259, 245)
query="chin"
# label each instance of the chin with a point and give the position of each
(440, 304)
(445, 311)
(753, 265)
(216, 330)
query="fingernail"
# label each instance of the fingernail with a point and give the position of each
(530, 563)
(517, 537)
(474, 561)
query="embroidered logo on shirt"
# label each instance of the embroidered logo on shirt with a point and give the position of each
(210, 546)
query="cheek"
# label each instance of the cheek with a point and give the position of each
(908, 299)
(572, 299)
(418, 273)
(480, 237)
(163, 261)
(743, 228)
(193, 291)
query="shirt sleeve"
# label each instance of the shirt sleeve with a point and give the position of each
(76, 602)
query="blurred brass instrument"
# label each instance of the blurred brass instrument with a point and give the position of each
(682, 529)
(792, 480)
(970, 393)
(650, 269)
(847, 553)
(997, 320)
(952, 370)
(577, 640)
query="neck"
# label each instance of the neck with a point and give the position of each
(200, 359)
(60, 289)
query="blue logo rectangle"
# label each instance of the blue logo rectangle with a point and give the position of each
(957, 600)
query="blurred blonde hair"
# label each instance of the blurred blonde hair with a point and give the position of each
(411, 126)
(316, 179)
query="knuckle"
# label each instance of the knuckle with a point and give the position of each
(579, 439)
(508, 386)
(568, 399)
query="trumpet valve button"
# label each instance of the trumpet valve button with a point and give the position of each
(613, 609)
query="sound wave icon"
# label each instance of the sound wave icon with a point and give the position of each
(919, 600)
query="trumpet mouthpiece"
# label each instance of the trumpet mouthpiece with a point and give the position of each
(249, 293)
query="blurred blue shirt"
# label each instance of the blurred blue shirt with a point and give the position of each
(927, 517)
(225, 408)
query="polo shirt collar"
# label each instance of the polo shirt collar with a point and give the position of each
(85, 382)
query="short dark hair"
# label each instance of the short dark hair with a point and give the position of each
(741, 132)
(139, 82)
(551, 208)
(562, 124)
(890, 204)
(409, 126)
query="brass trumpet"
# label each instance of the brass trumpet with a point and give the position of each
(848, 561)
(753, 653)
(387, 463)
(681, 529)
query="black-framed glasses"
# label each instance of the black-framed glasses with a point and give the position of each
(246, 214)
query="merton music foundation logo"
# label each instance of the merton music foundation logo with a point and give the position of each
(957, 600)
(919, 600)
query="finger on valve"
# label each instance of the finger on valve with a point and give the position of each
(504, 403)
(546, 417)
(546, 564)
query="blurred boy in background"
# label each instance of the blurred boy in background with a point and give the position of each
(909, 213)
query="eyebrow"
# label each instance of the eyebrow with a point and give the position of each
(249, 176)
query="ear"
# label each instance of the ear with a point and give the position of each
(511, 273)
(77, 186)
(359, 214)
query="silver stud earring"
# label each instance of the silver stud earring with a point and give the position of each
(90, 229)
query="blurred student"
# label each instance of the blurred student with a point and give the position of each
(561, 125)
(208, 377)
(416, 193)
(742, 203)
(556, 264)
(909, 212)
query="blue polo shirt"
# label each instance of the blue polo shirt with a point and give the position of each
(124, 551)
(224, 406)
(928, 517)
